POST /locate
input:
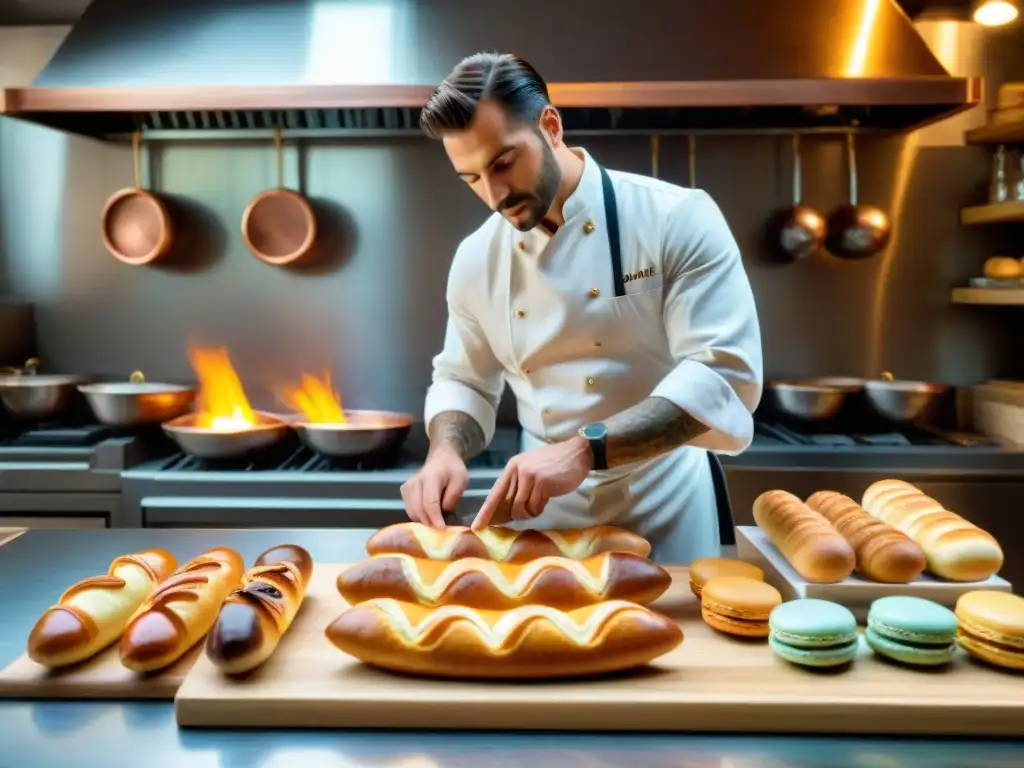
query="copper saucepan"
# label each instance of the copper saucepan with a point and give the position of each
(856, 231)
(279, 225)
(211, 443)
(364, 433)
(797, 231)
(135, 225)
(137, 402)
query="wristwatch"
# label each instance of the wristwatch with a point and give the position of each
(595, 433)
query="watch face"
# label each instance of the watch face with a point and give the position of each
(595, 431)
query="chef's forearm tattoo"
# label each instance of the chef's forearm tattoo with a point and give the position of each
(648, 429)
(458, 430)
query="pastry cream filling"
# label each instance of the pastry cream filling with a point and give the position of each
(439, 544)
(520, 583)
(495, 637)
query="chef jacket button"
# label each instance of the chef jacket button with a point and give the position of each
(595, 292)
(597, 343)
(546, 411)
(522, 245)
(591, 382)
(588, 227)
(520, 314)
(528, 370)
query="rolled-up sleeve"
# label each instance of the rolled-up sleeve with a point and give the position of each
(467, 376)
(711, 321)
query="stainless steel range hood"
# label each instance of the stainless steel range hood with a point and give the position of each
(328, 65)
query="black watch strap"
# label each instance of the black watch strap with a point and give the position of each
(596, 435)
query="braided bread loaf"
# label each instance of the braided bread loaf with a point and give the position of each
(883, 553)
(503, 544)
(559, 582)
(955, 548)
(532, 641)
(92, 613)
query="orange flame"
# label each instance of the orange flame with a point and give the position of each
(221, 403)
(316, 400)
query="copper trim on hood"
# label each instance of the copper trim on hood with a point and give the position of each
(684, 64)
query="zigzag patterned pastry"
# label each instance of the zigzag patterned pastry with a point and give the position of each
(256, 616)
(180, 613)
(532, 641)
(503, 544)
(92, 613)
(559, 582)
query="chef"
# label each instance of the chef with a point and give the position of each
(617, 308)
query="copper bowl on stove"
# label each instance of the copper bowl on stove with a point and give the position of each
(208, 443)
(365, 433)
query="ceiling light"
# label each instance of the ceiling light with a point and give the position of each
(995, 13)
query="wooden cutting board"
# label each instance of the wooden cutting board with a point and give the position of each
(712, 682)
(101, 677)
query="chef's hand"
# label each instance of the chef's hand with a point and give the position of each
(533, 478)
(437, 486)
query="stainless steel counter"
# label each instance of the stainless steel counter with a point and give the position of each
(38, 565)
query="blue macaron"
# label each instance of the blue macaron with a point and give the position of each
(912, 630)
(813, 633)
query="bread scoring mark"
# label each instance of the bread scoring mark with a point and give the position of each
(496, 628)
(511, 580)
(498, 541)
(93, 582)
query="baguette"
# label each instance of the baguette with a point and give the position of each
(814, 548)
(503, 544)
(883, 553)
(181, 611)
(256, 616)
(559, 582)
(955, 549)
(92, 613)
(532, 641)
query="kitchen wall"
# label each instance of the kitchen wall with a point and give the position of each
(394, 214)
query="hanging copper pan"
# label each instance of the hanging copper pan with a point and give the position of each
(279, 225)
(135, 224)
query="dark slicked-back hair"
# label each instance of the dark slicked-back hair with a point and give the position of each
(501, 77)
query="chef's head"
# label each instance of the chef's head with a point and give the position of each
(493, 115)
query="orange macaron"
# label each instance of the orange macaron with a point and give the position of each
(991, 627)
(707, 568)
(739, 605)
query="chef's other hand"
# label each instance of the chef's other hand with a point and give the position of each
(438, 486)
(533, 478)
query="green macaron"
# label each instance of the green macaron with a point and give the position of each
(813, 633)
(912, 630)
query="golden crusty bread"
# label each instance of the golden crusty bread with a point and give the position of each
(559, 582)
(256, 616)
(503, 544)
(815, 549)
(532, 641)
(181, 611)
(956, 549)
(92, 613)
(883, 553)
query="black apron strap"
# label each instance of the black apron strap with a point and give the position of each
(611, 215)
(723, 505)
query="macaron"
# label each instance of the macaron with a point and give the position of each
(707, 568)
(992, 627)
(738, 605)
(813, 633)
(912, 630)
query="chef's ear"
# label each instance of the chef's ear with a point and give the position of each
(551, 125)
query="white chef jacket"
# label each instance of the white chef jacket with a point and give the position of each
(540, 312)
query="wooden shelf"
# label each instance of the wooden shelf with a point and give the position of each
(1006, 132)
(995, 213)
(1006, 297)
